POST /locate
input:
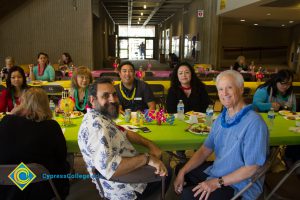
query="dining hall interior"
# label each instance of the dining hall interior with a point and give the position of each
(92, 39)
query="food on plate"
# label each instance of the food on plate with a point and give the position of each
(199, 129)
(37, 82)
(75, 114)
(291, 117)
(201, 120)
(198, 114)
(288, 113)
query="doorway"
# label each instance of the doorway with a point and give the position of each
(137, 48)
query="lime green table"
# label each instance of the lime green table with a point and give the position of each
(173, 137)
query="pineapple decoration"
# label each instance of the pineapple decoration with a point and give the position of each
(66, 104)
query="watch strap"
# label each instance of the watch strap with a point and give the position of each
(221, 182)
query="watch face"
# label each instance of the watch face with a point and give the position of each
(221, 182)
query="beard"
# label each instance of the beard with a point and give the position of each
(110, 110)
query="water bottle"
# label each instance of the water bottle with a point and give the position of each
(52, 108)
(271, 117)
(209, 115)
(180, 110)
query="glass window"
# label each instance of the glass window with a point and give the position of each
(149, 48)
(136, 31)
(123, 48)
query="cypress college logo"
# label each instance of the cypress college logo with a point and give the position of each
(22, 176)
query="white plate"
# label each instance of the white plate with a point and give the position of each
(198, 114)
(292, 117)
(188, 121)
(73, 115)
(288, 113)
(197, 133)
(133, 130)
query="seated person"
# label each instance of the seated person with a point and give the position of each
(66, 63)
(239, 150)
(9, 63)
(186, 86)
(240, 64)
(15, 86)
(276, 93)
(107, 146)
(173, 60)
(29, 135)
(133, 93)
(81, 79)
(43, 71)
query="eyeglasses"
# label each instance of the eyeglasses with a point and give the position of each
(284, 83)
(83, 77)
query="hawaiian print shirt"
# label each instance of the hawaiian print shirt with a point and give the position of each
(103, 144)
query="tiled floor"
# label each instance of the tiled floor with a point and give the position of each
(85, 189)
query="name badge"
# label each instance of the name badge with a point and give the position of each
(138, 98)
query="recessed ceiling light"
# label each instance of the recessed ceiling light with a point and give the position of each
(268, 14)
(242, 20)
(291, 22)
(282, 25)
(139, 19)
(145, 6)
(142, 14)
(138, 22)
(255, 24)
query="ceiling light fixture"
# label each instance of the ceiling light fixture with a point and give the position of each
(138, 22)
(242, 20)
(282, 25)
(291, 22)
(145, 6)
(255, 24)
(268, 14)
(139, 19)
(142, 14)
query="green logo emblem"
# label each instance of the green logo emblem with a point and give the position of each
(22, 176)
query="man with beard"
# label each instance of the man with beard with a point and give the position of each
(107, 146)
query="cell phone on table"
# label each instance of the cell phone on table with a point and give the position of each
(145, 130)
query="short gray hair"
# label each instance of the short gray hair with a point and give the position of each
(239, 80)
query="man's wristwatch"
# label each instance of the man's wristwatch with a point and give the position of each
(220, 182)
(147, 156)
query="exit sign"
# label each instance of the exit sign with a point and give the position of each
(200, 13)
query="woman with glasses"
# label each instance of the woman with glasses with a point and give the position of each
(81, 79)
(276, 93)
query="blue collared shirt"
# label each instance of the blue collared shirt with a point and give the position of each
(240, 145)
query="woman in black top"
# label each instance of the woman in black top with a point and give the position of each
(186, 86)
(29, 135)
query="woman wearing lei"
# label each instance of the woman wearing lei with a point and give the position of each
(16, 85)
(81, 79)
(43, 71)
